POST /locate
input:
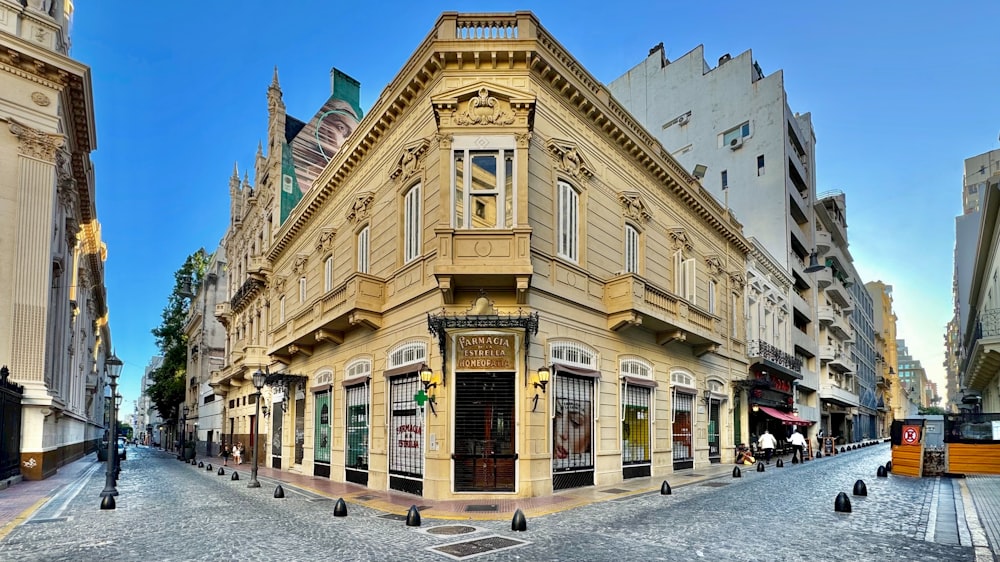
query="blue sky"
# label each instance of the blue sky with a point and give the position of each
(900, 94)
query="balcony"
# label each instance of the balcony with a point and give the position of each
(882, 382)
(842, 364)
(834, 393)
(834, 320)
(483, 258)
(837, 291)
(824, 278)
(982, 352)
(810, 379)
(801, 304)
(631, 301)
(223, 312)
(357, 303)
(760, 351)
(805, 342)
(259, 268)
(822, 241)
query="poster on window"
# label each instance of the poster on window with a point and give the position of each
(406, 437)
(572, 423)
(635, 426)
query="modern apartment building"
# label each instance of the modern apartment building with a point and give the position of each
(54, 333)
(912, 380)
(731, 125)
(499, 284)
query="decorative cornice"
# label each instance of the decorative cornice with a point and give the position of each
(633, 206)
(408, 163)
(569, 159)
(36, 144)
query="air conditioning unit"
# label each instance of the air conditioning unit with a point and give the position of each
(683, 119)
(736, 143)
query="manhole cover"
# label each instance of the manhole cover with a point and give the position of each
(451, 530)
(475, 547)
(393, 517)
(365, 497)
(614, 491)
(481, 507)
(715, 484)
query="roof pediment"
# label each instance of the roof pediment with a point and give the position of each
(483, 104)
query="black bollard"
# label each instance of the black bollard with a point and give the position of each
(819, 454)
(842, 504)
(737, 473)
(519, 523)
(413, 517)
(779, 463)
(209, 468)
(888, 466)
(843, 450)
(221, 472)
(665, 489)
(108, 502)
(279, 492)
(860, 489)
(881, 473)
(760, 467)
(201, 464)
(340, 508)
(235, 476)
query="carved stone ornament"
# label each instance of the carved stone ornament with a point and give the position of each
(40, 99)
(714, 265)
(408, 163)
(738, 281)
(443, 141)
(569, 159)
(279, 283)
(361, 209)
(633, 208)
(301, 261)
(325, 241)
(681, 239)
(36, 144)
(523, 140)
(485, 109)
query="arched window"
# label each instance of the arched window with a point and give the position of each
(406, 353)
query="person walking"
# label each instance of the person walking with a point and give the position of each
(798, 443)
(238, 454)
(225, 456)
(767, 442)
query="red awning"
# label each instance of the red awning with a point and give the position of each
(785, 419)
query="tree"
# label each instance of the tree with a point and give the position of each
(931, 411)
(167, 390)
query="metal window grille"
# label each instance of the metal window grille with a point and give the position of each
(406, 438)
(406, 353)
(572, 424)
(357, 427)
(574, 353)
(635, 426)
(683, 445)
(485, 454)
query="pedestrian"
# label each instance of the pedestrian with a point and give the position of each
(743, 456)
(225, 456)
(767, 442)
(238, 453)
(798, 443)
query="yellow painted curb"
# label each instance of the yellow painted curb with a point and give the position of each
(21, 517)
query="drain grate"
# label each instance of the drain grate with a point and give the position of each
(614, 491)
(451, 530)
(393, 517)
(482, 507)
(365, 497)
(476, 547)
(715, 484)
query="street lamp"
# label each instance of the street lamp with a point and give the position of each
(113, 365)
(114, 424)
(182, 454)
(258, 381)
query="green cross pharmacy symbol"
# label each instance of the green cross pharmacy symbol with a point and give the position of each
(421, 398)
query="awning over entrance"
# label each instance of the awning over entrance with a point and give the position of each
(785, 419)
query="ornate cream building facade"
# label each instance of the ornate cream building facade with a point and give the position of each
(499, 284)
(54, 334)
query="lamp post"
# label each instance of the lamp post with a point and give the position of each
(182, 455)
(258, 381)
(114, 424)
(114, 367)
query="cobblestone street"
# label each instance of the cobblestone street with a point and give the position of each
(168, 510)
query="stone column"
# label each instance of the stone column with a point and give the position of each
(29, 293)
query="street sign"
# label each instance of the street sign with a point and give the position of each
(911, 434)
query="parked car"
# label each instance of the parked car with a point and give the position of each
(122, 443)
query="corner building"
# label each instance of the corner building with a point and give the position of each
(575, 296)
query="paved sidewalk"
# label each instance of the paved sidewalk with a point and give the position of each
(20, 500)
(481, 509)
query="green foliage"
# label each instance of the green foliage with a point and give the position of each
(931, 411)
(167, 390)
